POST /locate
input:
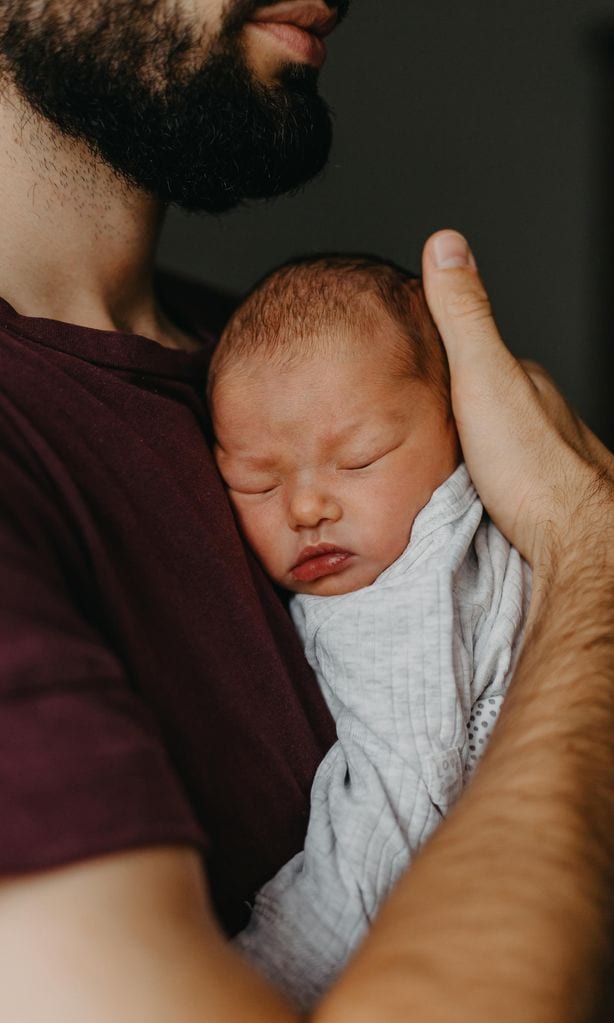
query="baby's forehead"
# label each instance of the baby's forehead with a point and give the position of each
(334, 363)
(333, 312)
(375, 342)
(314, 407)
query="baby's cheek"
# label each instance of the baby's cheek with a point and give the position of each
(394, 531)
(263, 532)
(397, 541)
(250, 523)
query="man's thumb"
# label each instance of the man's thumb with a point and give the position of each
(458, 301)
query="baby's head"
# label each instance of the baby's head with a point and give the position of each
(330, 399)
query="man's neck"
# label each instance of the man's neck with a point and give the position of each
(77, 244)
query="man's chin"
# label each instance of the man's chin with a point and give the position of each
(207, 141)
(287, 179)
(286, 145)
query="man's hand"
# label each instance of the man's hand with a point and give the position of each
(124, 938)
(539, 470)
(506, 914)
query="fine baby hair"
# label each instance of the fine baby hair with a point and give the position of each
(318, 304)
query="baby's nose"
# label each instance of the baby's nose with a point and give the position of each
(309, 508)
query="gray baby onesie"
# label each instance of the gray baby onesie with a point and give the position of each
(414, 669)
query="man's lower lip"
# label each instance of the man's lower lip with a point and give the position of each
(317, 568)
(305, 46)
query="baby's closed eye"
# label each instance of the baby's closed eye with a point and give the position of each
(254, 489)
(242, 478)
(249, 481)
(365, 460)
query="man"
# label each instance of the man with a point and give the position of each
(155, 705)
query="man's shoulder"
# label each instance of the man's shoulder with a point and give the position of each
(204, 306)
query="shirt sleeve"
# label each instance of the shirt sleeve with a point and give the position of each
(83, 770)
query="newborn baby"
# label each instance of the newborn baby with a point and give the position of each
(330, 399)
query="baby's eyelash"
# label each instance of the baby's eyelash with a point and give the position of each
(254, 493)
(371, 461)
(363, 465)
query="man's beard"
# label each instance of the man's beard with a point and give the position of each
(182, 120)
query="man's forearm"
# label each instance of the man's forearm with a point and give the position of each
(504, 916)
(488, 924)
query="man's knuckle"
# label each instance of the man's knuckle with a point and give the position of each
(470, 305)
(535, 369)
(542, 381)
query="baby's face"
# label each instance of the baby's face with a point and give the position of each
(328, 463)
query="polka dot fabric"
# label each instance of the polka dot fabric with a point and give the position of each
(481, 723)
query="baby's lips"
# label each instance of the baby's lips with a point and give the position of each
(319, 561)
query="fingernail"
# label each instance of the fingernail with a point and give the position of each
(450, 249)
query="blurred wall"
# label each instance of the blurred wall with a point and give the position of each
(490, 117)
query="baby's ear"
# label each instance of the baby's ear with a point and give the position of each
(431, 352)
(420, 315)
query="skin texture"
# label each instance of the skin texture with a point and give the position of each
(505, 914)
(200, 108)
(62, 206)
(532, 886)
(340, 450)
(517, 878)
(557, 470)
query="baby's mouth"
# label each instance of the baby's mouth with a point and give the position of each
(318, 561)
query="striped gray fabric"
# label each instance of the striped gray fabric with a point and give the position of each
(414, 669)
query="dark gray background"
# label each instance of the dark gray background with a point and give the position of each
(492, 117)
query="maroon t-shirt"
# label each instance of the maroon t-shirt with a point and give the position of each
(152, 689)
